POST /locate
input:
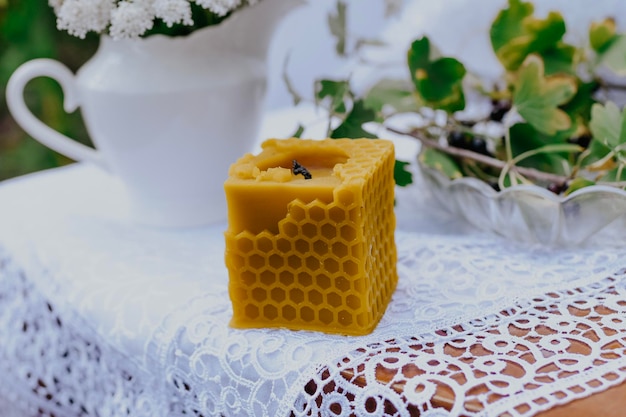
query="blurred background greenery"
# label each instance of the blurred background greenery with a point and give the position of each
(28, 31)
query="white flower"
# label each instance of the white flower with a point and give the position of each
(173, 11)
(81, 16)
(219, 7)
(131, 19)
(55, 4)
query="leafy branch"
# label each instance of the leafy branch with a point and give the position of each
(480, 158)
(556, 129)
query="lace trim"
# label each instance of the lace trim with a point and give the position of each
(556, 348)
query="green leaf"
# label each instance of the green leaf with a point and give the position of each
(559, 59)
(607, 124)
(537, 97)
(614, 56)
(515, 34)
(401, 175)
(395, 94)
(524, 138)
(508, 24)
(601, 34)
(608, 127)
(578, 183)
(352, 125)
(579, 107)
(595, 160)
(337, 26)
(438, 81)
(441, 162)
(336, 91)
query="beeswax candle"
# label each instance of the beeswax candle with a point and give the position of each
(312, 253)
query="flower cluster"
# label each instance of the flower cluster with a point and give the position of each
(132, 18)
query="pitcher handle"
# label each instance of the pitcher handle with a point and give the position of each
(35, 127)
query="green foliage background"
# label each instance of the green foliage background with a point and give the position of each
(28, 31)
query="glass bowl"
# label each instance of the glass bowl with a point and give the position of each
(529, 213)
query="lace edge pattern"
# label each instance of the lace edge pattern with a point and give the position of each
(540, 353)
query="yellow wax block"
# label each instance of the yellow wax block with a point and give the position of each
(312, 254)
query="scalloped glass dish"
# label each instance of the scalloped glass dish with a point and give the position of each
(529, 213)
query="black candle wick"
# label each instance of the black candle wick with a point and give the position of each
(299, 169)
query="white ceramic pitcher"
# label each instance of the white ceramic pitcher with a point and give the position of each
(167, 115)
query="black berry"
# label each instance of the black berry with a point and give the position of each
(499, 109)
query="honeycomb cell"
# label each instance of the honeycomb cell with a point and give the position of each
(264, 244)
(317, 214)
(296, 295)
(336, 214)
(317, 254)
(347, 233)
(276, 261)
(245, 245)
(305, 279)
(349, 267)
(342, 284)
(294, 262)
(290, 230)
(267, 277)
(320, 247)
(340, 249)
(331, 265)
(278, 294)
(315, 297)
(251, 311)
(297, 213)
(334, 299)
(326, 316)
(283, 245)
(312, 263)
(286, 278)
(309, 230)
(345, 318)
(353, 302)
(328, 230)
(323, 281)
(307, 314)
(256, 261)
(303, 246)
(259, 294)
(289, 312)
(270, 311)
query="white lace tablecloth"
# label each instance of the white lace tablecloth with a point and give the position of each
(99, 317)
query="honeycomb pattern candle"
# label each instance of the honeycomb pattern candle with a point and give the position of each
(310, 239)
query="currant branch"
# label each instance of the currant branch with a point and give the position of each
(480, 158)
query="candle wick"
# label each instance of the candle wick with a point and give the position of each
(299, 169)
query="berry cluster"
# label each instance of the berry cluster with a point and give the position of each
(469, 141)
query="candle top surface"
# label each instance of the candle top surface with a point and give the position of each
(330, 162)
